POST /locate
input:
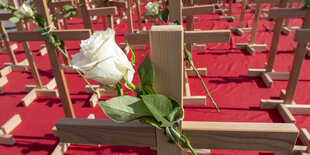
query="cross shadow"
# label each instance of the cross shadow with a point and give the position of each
(240, 79)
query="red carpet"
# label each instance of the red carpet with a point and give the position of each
(237, 95)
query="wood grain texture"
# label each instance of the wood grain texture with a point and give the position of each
(302, 35)
(5, 16)
(285, 114)
(175, 11)
(241, 136)
(205, 1)
(287, 13)
(100, 131)
(102, 11)
(207, 36)
(196, 10)
(86, 16)
(166, 46)
(63, 34)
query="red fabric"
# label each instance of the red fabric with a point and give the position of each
(237, 95)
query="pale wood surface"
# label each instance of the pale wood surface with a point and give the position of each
(299, 109)
(304, 136)
(285, 114)
(166, 46)
(255, 23)
(129, 17)
(302, 35)
(7, 139)
(102, 11)
(213, 135)
(275, 39)
(287, 13)
(207, 36)
(241, 136)
(175, 11)
(7, 44)
(243, 7)
(63, 34)
(11, 124)
(100, 131)
(196, 10)
(86, 16)
(200, 2)
(61, 148)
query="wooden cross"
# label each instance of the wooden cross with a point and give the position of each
(286, 29)
(302, 37)
(251, 47)
(41, 7)
(229, 17)
(241, 29)
(168, 62)
(53, 6)
(268, 74)
(9, 48)
(166, 44)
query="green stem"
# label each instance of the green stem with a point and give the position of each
(159, 18)
(59, 49)
(134, 88)
(204, 85)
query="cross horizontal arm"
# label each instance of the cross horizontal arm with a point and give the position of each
(274, 1)
(302, 35)
(94, 12)
(6, 16)
(287, 13)
(241, 136)
(118, 4)
(205, 1)
(208, 36)
(103, 131)
(63, 34)
(196, 10)
(102, 11)
(59, 4)
(213, 135)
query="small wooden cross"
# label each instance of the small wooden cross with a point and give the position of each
(286, 106)
(269, 74)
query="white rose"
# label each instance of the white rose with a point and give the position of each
(26, 10)
(102, 60)
(152, 9)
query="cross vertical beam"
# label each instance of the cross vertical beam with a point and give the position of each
(175, 11)
(166, 44)
(58, 72)
(275, 39)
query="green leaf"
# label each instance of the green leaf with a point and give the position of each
(124, 108)
(14, 19)
(38, 29)
(160, 106)
(150, 120)
(165, 15)
(48, 37)
(133, 55)
(148, 89)
(67, 15)
(146, 71)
